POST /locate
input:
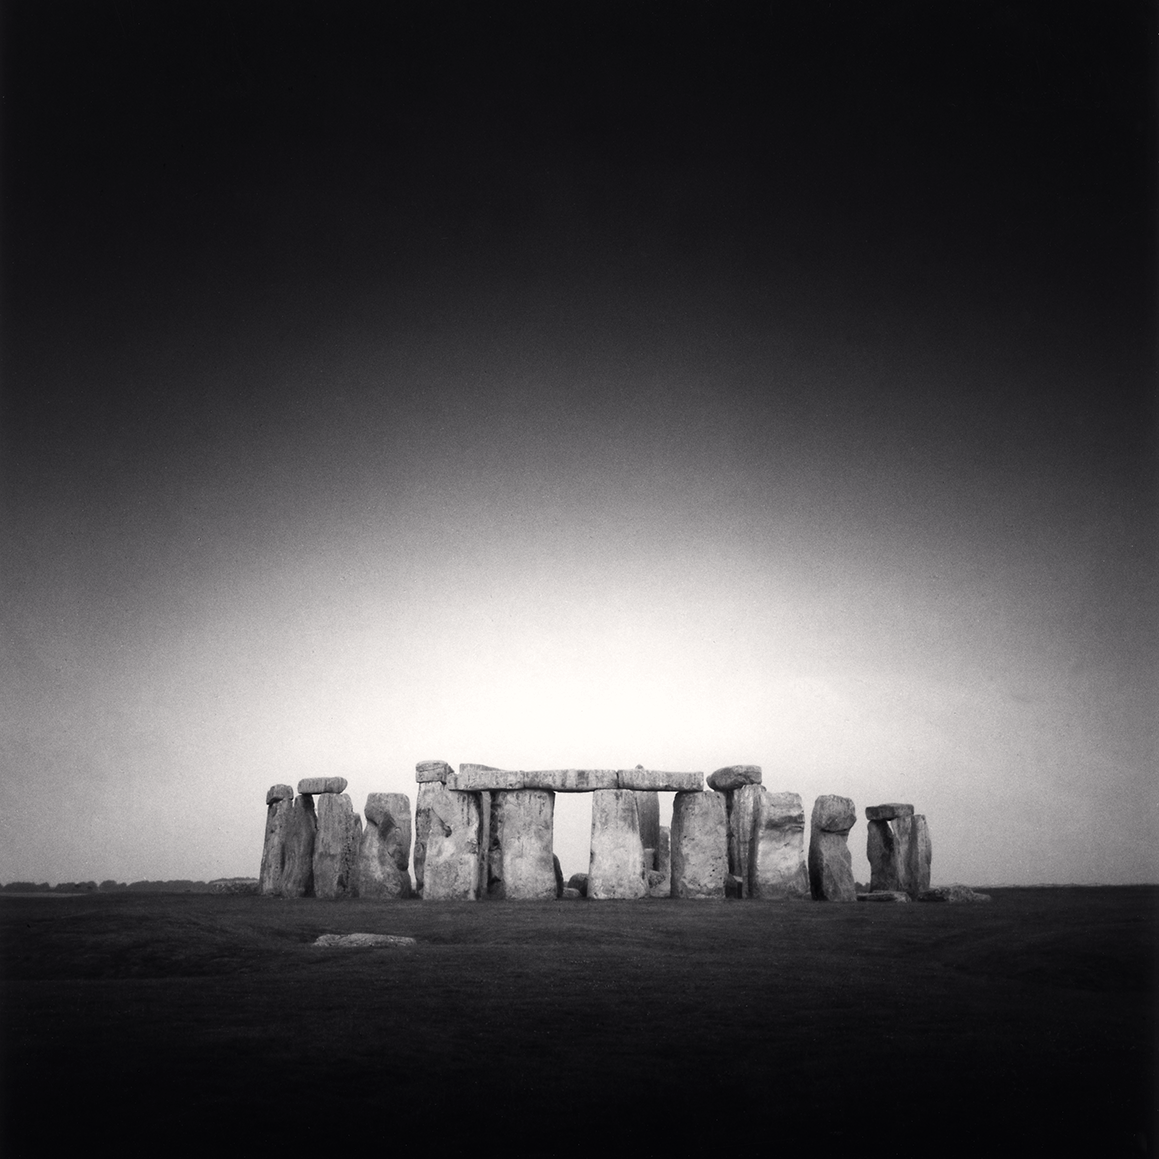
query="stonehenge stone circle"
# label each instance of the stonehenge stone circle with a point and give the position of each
(279, 803)
(899, 850)
(777, 869)
(384, 853)
(616, 867)
(483, 778)
(336, 842)
(699, 845)
(830, 863)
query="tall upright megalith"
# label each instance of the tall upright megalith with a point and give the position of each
(889, 847)
(830, 864)
(279, 803)
(648, 813)
(384, 853)
(298, 860)
(431, 776)
(335, 845)
(456, 854)
(777, 870)
(522, 827)
(699, 839)
(616, 865)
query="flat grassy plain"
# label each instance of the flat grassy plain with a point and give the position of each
(176, 1024)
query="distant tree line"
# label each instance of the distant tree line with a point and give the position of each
(179, 885)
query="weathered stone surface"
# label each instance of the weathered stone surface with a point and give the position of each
(888, 812)
(570, 894)
(733, 886)
(952, 893)
(886, 895)
(456, 852)
(664, 852)
(578, 882)
(298, 856)
(433, 771)
(335, 846)
(699, 845)
(659, 884)
(777, 870)
(920, 856)
(346, 941)
(384, 853)
(734, 776)
(648, 810)
(279, 793)
(558, 875)
(315, 785)
(881, 847)
(830, 864)
(274, 846)
(616, 868)
(834, 814)
(741, 805)
(482, 778)
(522, 826)
(426, 791)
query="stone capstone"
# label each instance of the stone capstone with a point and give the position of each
(457, 842)
(279, 793)
(734, 776)
(522, 826)
(777, 870)
(433, 771)
(888, 812)
(830, 863)
(315, 785)
(336, 846)
(616, 867)
(278, 813)
(384, 853)
(298, 857)
(699, 845)
(482, 778)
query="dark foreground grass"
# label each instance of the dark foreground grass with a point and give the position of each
(191, 1024)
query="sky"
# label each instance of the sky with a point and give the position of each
(578, 386)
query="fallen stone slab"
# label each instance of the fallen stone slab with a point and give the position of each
(349, 940)
(570, 894)
(314, 785)
(578, 882)
(279, 793)
(433, 771)
(699, 845)
(886, 895)
(616, 866)
(777, 870)
(734, 776)
(888, 812)
(384, 852)
(952, 893)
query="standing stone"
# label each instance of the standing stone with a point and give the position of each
(558, 871)
(699, 845)
(616, 867)
(428, 790)
(648, 811)
(889, 847)
(335, 846)
(298, 863)
(741, 805)
(830, 865)
(456, 853)
(384, 853)
(522, 827)
(921, 854)
(279, 803)
(777, 869)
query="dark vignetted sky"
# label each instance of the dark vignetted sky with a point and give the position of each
(578, 385)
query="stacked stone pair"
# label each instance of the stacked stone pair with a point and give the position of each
(899, 851)
(316, 846)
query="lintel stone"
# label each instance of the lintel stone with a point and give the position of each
(473, 778)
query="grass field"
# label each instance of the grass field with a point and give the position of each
(181, 1024)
